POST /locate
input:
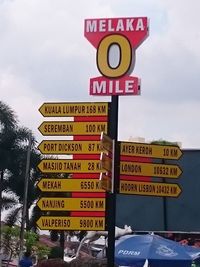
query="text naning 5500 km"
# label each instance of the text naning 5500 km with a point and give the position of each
(71, 204)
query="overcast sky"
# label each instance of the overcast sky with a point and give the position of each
(44, 57)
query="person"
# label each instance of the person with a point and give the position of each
(26, 260)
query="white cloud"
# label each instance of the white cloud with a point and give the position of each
(18, 94)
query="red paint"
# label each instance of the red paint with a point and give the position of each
(133, 177)
(87, 214)
(91, 119)
(87, 156)
(88, 194)
(126, 85)
(107, 26)
(135, 159)
(85, 175)
(87, 138)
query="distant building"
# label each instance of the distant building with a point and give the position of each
(139, 139)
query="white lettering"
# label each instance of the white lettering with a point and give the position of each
(140, 25)
(129, 252)
(91, 26)
(99, 88)
(117, 89)
(129, 85)
(110, 28)
(120, 25)
(110, 87)
(102, 25)
(129, 25)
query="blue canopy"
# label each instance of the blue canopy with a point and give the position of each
(133, 250)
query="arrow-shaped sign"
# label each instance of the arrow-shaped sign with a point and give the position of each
(69, 185)
(71, 204)
(69, 147)
(67, 128)
(149, 169)
(150, 150)
(74, 109)
(71, 223)
(149, 189)
(70, 166)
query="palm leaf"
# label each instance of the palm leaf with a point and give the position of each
(8, 202)
(12, 217)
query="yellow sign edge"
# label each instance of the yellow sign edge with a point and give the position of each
(71, 103)
(151, 183)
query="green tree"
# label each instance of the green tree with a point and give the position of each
(10, 242)
(7, 124)
(41, 251)
(15, 183)
(13, 152)
(164, 142)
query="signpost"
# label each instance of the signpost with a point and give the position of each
(150, 150)
(71, 204)
(60, 147)
(72, 109)
(127, 34)
(149, 189)
(90, 119)
(70, 166)
(69, 185)
(124, 86)
(67, 128)
(149, 169)
(71, 223)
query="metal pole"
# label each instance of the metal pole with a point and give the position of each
(111, 197)
(62, 242)
(165, 218)
(25, 199)
(1, 189)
